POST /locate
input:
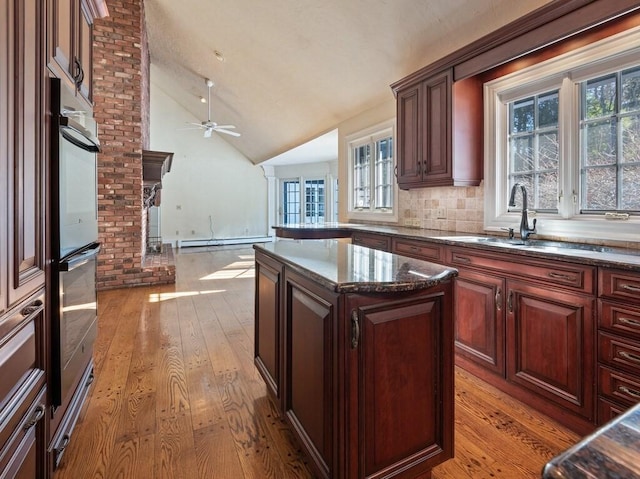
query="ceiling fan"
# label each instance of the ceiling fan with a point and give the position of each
(211, 126)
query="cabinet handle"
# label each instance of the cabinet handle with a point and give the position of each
(631, 288)
(510, 302)
(629, 356)
(395, 171)
(629, 391)
(355, 329)
(59, 450)
(561, 276)
(462, 259)
(31, 308)
(632, 322)
(38, 414)
(499, 299)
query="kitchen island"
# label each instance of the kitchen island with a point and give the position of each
(356, 348)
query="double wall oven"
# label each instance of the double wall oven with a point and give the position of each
(74, 234)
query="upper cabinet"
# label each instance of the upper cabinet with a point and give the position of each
(439, 131)
(70, 41)
(22, 133)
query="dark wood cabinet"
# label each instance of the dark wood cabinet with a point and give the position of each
(528, 330)
(70, 31)
(439, 128)
(367, 379)
(618, 342)
(371, 240)
(22, 150)
(550, 345)
(480, 320)
(268, 328)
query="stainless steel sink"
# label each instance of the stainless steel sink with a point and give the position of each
(536, 244)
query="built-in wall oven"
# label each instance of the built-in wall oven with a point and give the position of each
(74, 233)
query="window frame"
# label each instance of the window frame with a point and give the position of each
(369, 136)
(564, 72)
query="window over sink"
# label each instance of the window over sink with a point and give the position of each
(569, 130)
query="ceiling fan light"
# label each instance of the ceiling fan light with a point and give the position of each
(219, 56)
(203, 99)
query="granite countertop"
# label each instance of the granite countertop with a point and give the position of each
(594, 255)
(346, 268)
(611, 452)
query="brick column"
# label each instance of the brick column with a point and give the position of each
(121, 109)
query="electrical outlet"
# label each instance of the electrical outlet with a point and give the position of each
(408, 221)
(177, 233)
(193, 232)
(441, 213)
(178, 207)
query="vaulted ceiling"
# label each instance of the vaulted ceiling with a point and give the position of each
(287, 71)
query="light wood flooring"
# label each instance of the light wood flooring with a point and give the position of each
(176, 393)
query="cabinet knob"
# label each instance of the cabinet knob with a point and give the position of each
(31, 308)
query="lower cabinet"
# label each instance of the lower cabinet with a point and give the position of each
(480, 320)
(528, 330)
(618, 342)
(367, 379)
(371, 240)
(550, 345)
(23, 395)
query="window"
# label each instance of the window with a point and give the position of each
(314, 201)
(371, 178)
(568, 130)
(311, 200)
(291, 202)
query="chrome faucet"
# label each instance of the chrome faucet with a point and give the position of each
(525, 231)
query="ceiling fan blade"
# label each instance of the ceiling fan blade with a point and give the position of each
(188, 128)
(207, 132)
(226, 127)
(227, 132)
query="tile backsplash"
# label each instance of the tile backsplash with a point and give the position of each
(445, 208)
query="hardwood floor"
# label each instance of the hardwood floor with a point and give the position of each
(176, 393)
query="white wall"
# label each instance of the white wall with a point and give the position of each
(212, 190)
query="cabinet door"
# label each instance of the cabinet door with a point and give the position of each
(310, 363)
(405, 398)
(25, 149)
(267, 323)
(436, 131)
(479, 324)
(550, 345)
(61, 25)
(84, 75)
(409, 148)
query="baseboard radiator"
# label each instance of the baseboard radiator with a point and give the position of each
(187, 243)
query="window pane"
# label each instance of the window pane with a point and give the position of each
(548, 151)
(522, 154)
(601, 140)
(361, 176)
(548, 110)
(630, 195)
(630, 90)
(527, 181)
(384, 173)
(546, 196)
(630, 139)
(522, 118)
(599, 188)
(600, 97)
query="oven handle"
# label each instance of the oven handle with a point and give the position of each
(79, 259)
(69, 126)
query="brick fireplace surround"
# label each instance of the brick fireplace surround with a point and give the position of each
(121, 109)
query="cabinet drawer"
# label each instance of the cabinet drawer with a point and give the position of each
(372, 241)
(608, 410)
(621, 387)
(22, 447)
(619, 284)
(622, 319)
(550, 273)
(619, 353)
(416, 249)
